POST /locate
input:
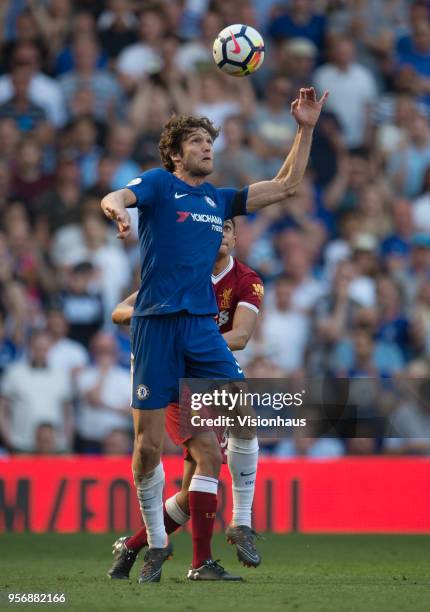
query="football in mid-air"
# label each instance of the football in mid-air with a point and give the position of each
(238, 50)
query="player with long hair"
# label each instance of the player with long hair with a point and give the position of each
(239, 293)
(173, 332)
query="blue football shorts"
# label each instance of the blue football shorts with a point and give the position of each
(166, 348)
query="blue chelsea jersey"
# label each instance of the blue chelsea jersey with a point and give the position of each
(180, 232)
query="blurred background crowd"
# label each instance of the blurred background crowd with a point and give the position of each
(85, 88)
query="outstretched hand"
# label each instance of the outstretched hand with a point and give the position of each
(122, 219)
(306, 109)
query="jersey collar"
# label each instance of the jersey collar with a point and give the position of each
(195, 188)
(218, 277)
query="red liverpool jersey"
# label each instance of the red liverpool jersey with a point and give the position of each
(237, 285)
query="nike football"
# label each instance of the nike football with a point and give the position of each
(238, 50)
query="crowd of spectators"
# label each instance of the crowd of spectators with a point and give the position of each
(85, 88)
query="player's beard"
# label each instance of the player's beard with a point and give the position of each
(199, 170)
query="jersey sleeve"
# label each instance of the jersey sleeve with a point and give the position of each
(147, 187)
(234, 202)
(251, 292)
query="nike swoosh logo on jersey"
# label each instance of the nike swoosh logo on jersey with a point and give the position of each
(180, 195)
(249, 474)
(236, 44)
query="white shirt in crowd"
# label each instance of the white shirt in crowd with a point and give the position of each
(286, 334)
(421, 212)
(35, 395)
(138, 59)
(69, 249)
(218, 112)
(192, 54)
(307, 293)
(95, 422)
(67, 355)
(45, 92)
(350, 93)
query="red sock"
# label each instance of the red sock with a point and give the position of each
(203, 512)
(139, 540)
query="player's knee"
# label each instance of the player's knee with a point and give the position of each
(209, 462)
(205, 451)
(243, 433)
(148, 450)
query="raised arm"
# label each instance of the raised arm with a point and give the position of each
(123, 311)
(306, 110)
(114, 206)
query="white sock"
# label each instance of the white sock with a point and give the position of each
(175, 511)
(204, 484)
(242, 459)
(150, 496)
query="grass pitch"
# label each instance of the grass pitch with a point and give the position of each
(304, 573)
